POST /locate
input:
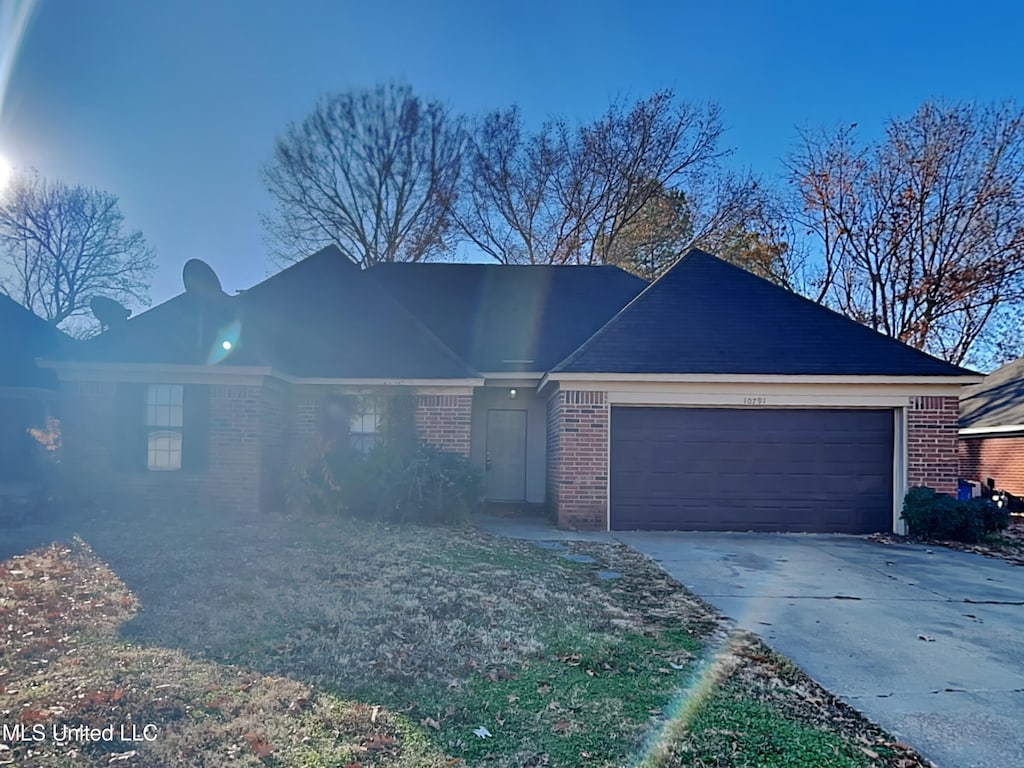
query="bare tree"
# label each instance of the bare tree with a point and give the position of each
(637, 187)
(921, 233)
(61, 246)
(371, 171)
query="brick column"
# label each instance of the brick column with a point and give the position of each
(577, 459)
(444, 421)
(932, 460)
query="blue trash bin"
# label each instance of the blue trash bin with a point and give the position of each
(964, 490)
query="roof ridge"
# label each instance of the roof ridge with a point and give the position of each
(418, 322)
(752, 280)
(811, 302)
(596, 334)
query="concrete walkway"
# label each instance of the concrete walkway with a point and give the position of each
(927, 643)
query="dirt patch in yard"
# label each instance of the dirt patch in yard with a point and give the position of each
(315, 641)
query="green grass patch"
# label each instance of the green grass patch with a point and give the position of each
(733, 729)
(589, 701)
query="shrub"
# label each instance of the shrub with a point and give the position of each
(932, 515)
(994, 519)
(416, 484)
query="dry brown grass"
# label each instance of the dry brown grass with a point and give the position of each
(304, 640)
(240, 637)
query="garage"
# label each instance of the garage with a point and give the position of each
(751, 469)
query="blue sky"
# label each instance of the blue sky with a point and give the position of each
(174, 106)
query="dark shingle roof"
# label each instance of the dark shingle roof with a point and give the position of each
(321, 317)
(998, 401)
(707, 316)
(510, 318)
(24, 336)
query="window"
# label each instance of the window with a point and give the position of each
(164, 426)
(365, 427)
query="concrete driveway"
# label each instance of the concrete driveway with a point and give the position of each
(853, 614)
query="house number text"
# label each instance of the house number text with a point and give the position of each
(755, 401)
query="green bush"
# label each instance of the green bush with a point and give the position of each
(993, 518)
(416, 484)
(932, 515)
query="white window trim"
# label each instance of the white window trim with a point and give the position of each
(155, 428)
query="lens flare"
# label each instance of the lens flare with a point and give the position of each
(711, 671)
(224, 344)
(5, 173)
(14, 19)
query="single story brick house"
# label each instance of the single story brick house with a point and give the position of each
(992, 429)
(709, 399)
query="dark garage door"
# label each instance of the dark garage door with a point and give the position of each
(732, 469)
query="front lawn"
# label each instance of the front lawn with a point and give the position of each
(313, 641)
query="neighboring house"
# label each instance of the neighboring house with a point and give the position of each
(27, 392)
(710, 399)
(992, 429)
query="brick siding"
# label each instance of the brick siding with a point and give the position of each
(232, 480)
(932, 460)
(304, 441)
(577, 459)
(274, 470)
(445, 421)
(1001, 458)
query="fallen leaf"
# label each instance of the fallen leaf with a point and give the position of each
(430, 723)
(380, 741)
(32, 716)
(560, 726)
(258, 743)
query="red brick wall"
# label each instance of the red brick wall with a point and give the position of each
(304, 435)
(231, 482)
(577, 459)
(1001, 458)
(444, 421)
(932, 443)
(553, 456)
(274, 470)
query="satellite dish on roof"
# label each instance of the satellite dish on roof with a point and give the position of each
(108, 311)
(201, 280)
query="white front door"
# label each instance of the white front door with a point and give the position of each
(506, 455)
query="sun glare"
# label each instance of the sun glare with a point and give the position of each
(5, 172)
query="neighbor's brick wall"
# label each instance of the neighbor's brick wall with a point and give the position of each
(1001, 458)
(578, 458)
(932, 460)
(91, 471)
(445, 421)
